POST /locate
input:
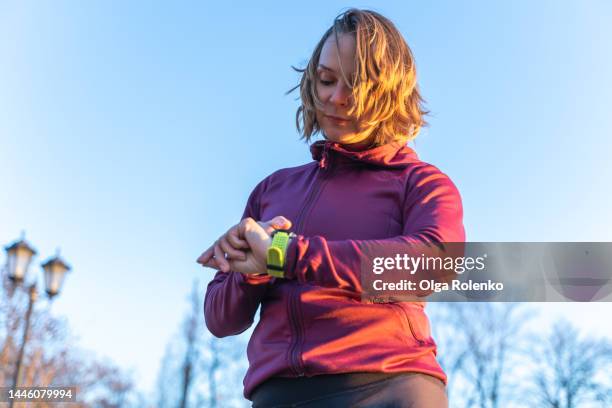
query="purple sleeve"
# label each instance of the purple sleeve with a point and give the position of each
(232, 298)
(432, 212)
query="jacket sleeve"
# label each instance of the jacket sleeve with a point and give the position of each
(232, 298)
(432, 213)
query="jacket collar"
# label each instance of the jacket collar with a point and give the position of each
(394, 154)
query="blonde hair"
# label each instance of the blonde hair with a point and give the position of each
(385, 90)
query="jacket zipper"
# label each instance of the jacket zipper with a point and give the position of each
(323, 169)
(296, 364)
(295, 361)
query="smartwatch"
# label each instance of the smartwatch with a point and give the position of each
(277, 253)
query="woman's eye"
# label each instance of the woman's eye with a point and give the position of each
(325, 83)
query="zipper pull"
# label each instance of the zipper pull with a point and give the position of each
(324, 158)
(323, 163)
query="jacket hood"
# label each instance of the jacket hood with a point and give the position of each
(394, 154)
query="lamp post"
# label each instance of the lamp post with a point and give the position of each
(19, 257)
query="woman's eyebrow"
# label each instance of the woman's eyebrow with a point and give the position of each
(326, 68)
(321, 66)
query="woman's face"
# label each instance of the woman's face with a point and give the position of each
(334, 93)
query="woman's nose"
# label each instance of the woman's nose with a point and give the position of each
(341, 95)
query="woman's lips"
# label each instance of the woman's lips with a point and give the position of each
(337, 119)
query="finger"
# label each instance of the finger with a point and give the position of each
(280, 222)
(245, 225)
(253, 232)
(206, 255)
(209, 260)
(212, 263)
(276, 223)
(220, 258)
(230, 251)
(234, 239)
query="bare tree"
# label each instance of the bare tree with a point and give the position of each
(225, 364)
(195, 361)
(572, 371)
(213, 368)
(52, 358)
(167, 381)
(477, 343)
(191, 333)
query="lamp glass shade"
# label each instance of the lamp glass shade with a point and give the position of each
(19, 256)
(55, 270)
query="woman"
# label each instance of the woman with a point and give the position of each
(318, 343)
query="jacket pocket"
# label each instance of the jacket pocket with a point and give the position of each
(415, 322)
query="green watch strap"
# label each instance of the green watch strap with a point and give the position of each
(277, 253)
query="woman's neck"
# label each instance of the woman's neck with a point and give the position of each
(358, 146)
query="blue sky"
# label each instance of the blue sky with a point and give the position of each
(131, 134)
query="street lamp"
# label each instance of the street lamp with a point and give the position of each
(55, 270)
(19, 256)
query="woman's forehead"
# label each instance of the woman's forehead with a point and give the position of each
(331, 60)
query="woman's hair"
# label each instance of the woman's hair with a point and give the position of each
(384, 87)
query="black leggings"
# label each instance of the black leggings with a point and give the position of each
(360, 390)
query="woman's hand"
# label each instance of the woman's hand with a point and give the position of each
(229, 244)
(258, 239)
(243, 248)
